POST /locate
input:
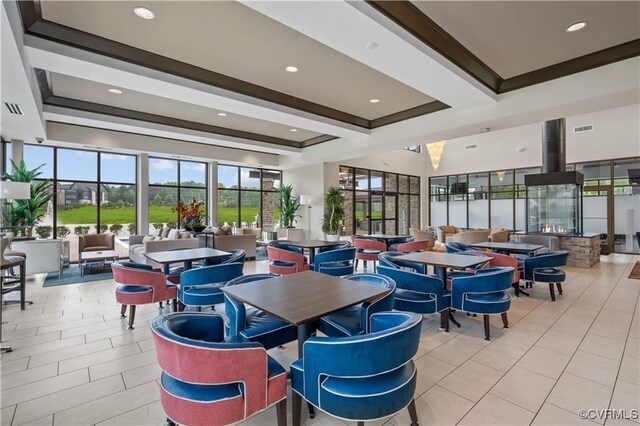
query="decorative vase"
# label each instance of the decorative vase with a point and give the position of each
(332, 237)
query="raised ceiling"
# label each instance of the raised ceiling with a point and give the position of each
(517, 37)
(90, 91)
(231, 39)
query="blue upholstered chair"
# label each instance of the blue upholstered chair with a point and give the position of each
(456, 247)
(485, 292)
(389, 259)
(394, 242)
(363, 377)
(284, 246)
(201, 286)
(545, 268)
(209, 380)
(420, 293)
(236, 256)
(335, 262)
(253, 324)
(355, 319)
(342, 245)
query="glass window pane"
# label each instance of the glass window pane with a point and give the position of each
(75, 164)
(227, 176)
(403, 184)
(271, 179)
(391, 182)
(478, 200)
(45, 224)
(362, 179)
(627, 220)
(376, 181)
(597, 173)
(161, 202)
(414, 185)
(118, 209)
(77, 205)
(621, 170)
(193, 174)
(250, 208)
(520, 188)
(118, 168)
(362, 212)
(346, 177)
(376, 214)
(249, 178)
(7, 158)
(163, 171)
(227, 207)
(35, 156)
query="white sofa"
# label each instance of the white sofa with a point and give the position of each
(138, 247)
(43, 256)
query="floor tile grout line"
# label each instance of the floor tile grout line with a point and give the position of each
(582, 340)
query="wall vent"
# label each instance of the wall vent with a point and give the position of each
(580, 129)
(14, 108)
(472, 146)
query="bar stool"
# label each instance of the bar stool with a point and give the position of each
(10, 284)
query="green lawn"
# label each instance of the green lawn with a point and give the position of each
(87, 215)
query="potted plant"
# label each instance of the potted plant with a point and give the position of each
(334, 213)
(62, 231)
(191, 215)
(27, 213)
(287, 206)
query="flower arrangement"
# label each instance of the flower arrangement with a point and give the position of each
(191, 215)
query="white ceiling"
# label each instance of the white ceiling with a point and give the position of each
(515, 37)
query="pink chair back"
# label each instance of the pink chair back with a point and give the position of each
(413, 246)
(364, 244)
(275, 253)
(141, 277)
(502, 260)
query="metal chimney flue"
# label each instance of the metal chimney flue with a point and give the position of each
(554, 158)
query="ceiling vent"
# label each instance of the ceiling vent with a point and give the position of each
(472, 146)
(580, 129)
(14, 108)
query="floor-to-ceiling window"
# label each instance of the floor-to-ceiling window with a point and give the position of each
(247, 196)
(171, 181)
(626, 205)
(377, 201)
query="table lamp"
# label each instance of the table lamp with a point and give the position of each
(13, 191)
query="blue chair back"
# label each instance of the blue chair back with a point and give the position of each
(364, 355)
(457, 247)
(237, 255)
(284, 246)
(484, 292)
(343, 245)
(335, 262)
(389, 259)
(211, 274)
(234, 309)
(135, 265)
(547, 260)
(416, 292)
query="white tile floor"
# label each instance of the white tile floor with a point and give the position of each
(75, 363)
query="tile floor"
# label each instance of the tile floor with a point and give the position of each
(75, 363)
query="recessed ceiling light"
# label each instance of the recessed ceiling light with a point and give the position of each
(143, 12)
(115, 91)
(374, 101)
(291, 68)
(222, 114)
(576, 27)
(294, 130)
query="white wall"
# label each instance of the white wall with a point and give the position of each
(308, 180)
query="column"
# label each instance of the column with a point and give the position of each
(142, 204)
(17, 152)
(212, 183)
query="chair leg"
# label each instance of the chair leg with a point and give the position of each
(487, 332)
(413, 414)
(174, 303)
(199, 308)
(170, 422)
(132, 316)
(297, 408)
(160, 305)
(516, 288)
(559, 286)
(359, 423)
(375, 267)
(356, 264)
(281, 412)
(444, 320)
(552, 292)
(505, 320)
(123, 311)
(23, 285)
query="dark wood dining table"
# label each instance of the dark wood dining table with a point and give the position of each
(186, 256)
(440, 262)
(510, 247)
(312, 245)
(302, 299)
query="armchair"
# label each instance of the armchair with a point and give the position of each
(335, 262)
(201, 286)
(357, 378)
(239, 380)
(95, 242)
(139, 286)
(483, 293)
(502, 260)
(237, 256)
(355, 320)
(285, 262)
(411, 246)
(546, 268)
(368, 250)
(419, 293)
(389, 259)
(393, 243)
(445, 231)
(253, 324)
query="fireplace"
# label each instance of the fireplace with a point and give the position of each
(554, 197)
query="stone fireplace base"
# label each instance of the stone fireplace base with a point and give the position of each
(584, 251)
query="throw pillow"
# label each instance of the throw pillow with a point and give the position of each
(165, 232)
(157, 232)
(147, 238)
(174, 234)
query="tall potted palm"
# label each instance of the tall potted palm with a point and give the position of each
(287, 205)
(28, 213)
(334, 213)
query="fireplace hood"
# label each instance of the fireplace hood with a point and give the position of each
(554, 165)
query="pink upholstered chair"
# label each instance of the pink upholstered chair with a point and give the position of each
(210, 380)
(140, 286)
(501, 260)
(285, 262)
(413, 246)
(368, 250)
